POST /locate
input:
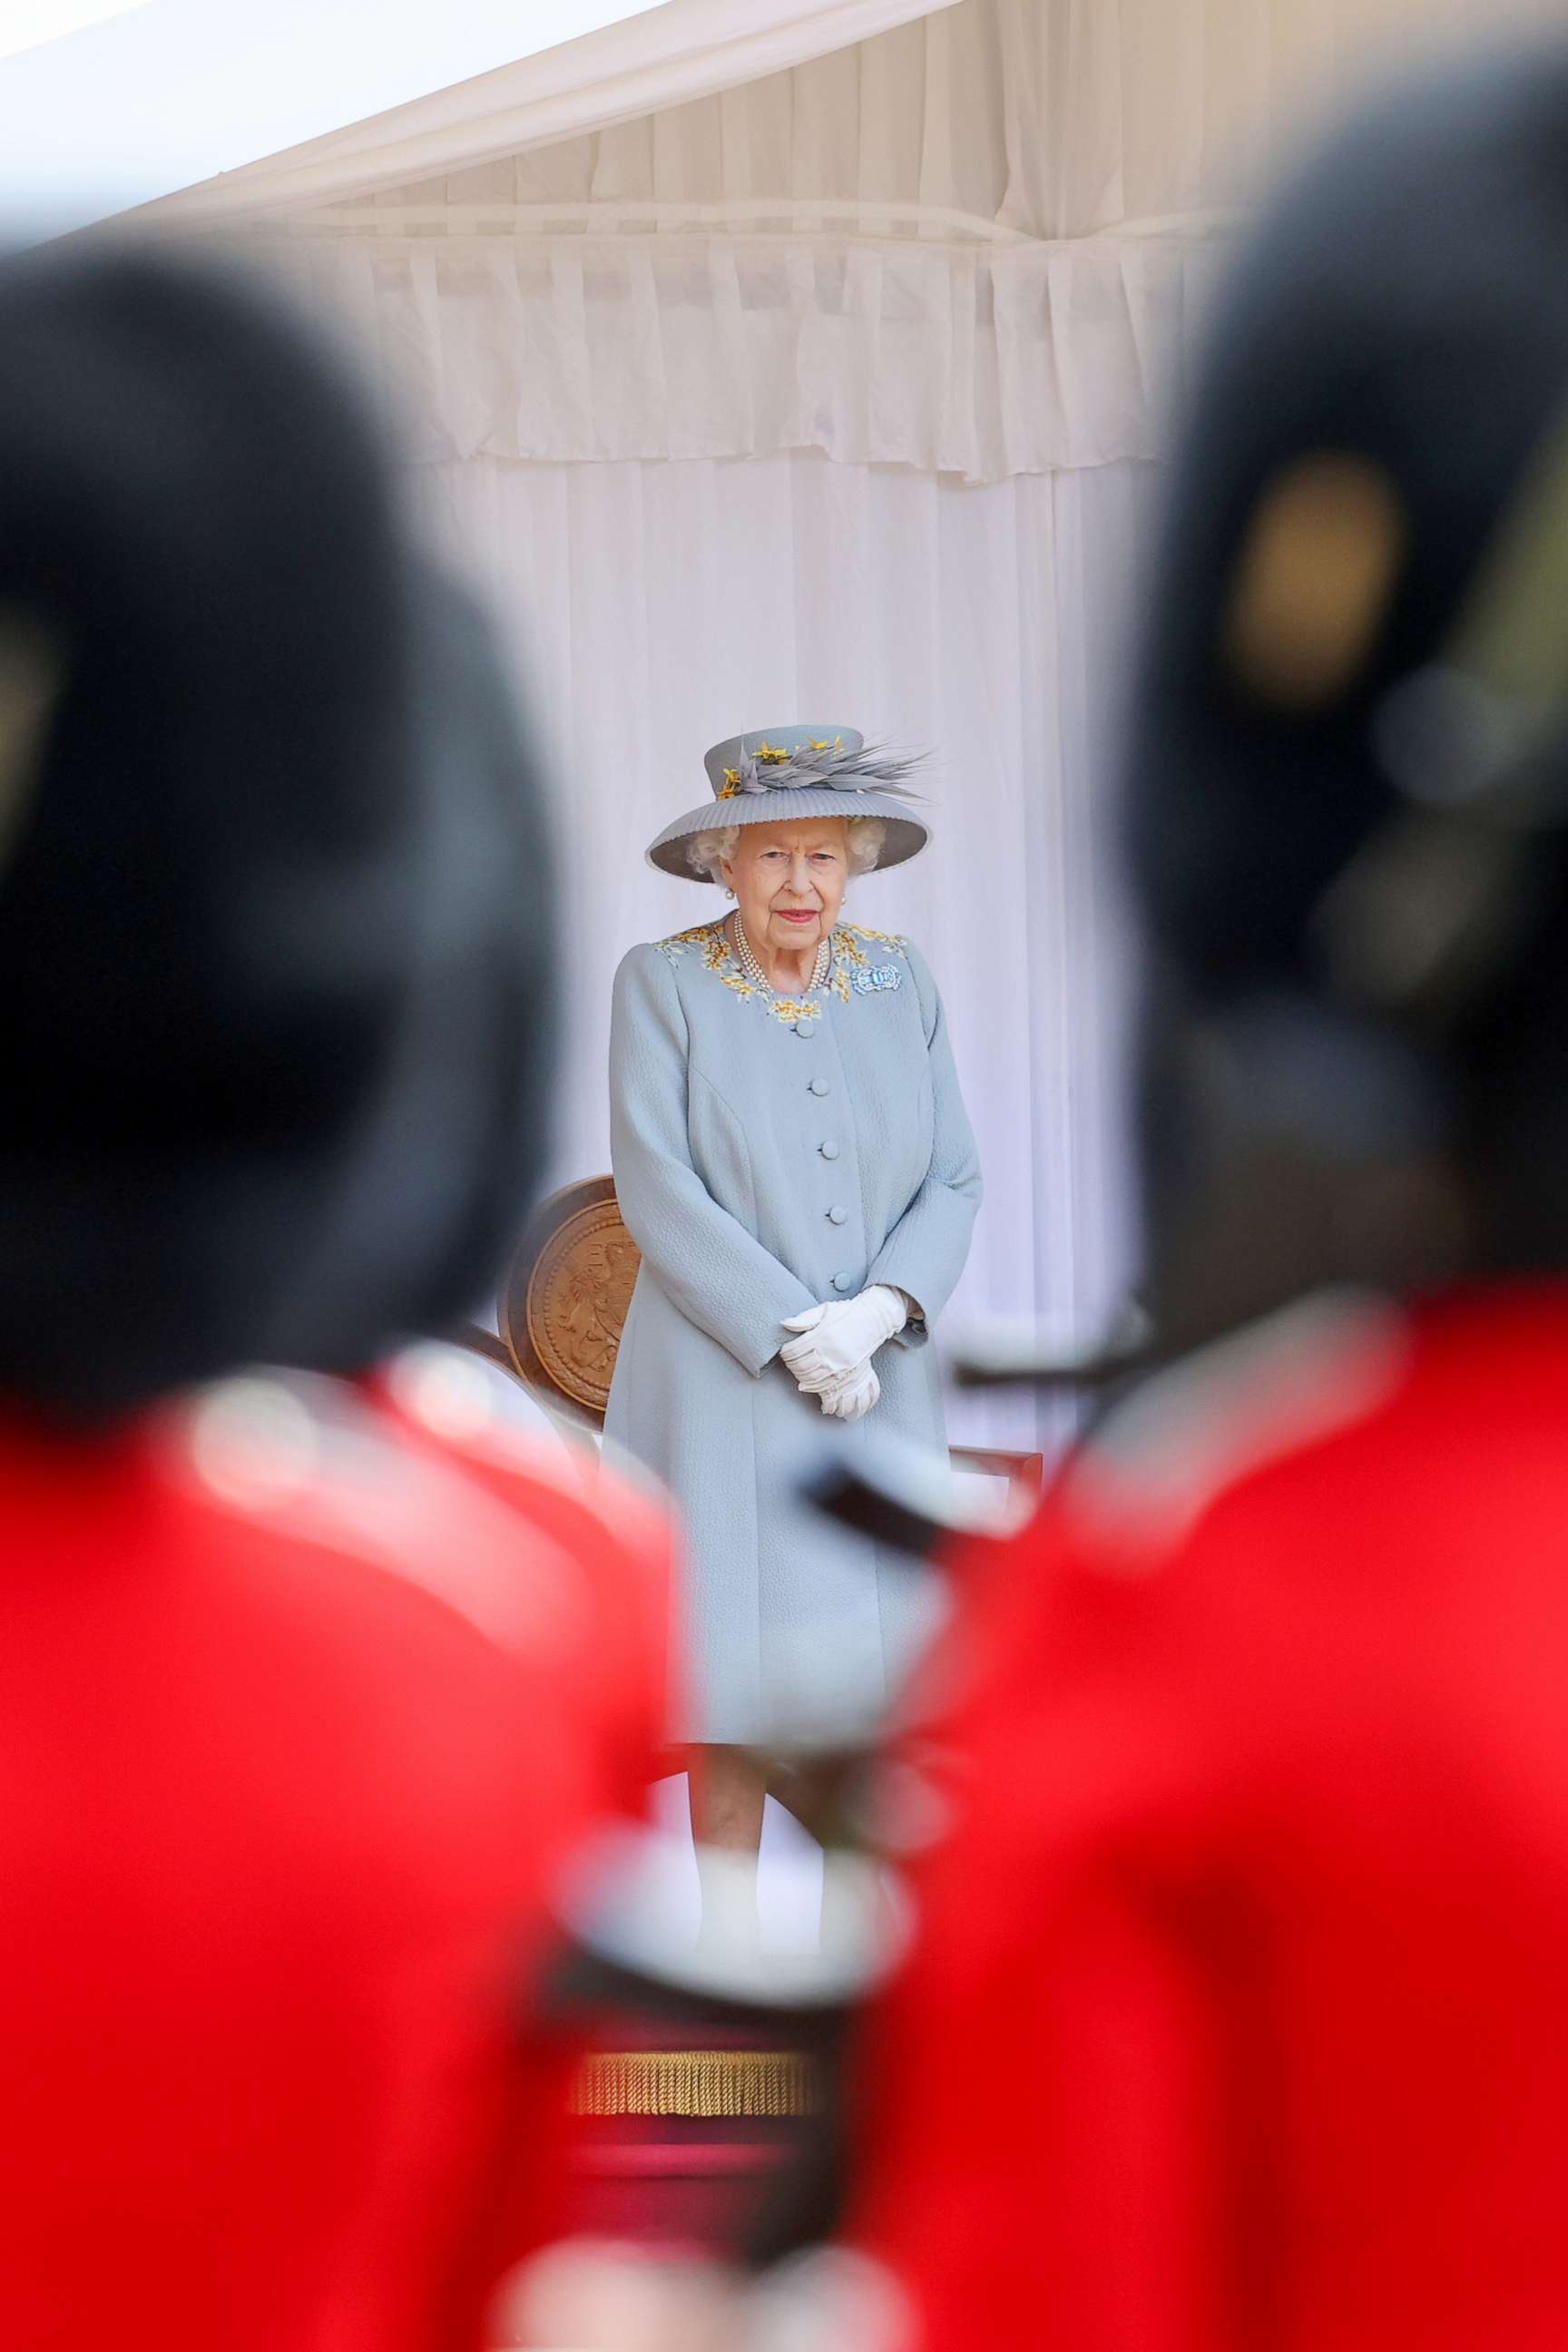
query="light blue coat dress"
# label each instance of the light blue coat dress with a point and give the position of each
(766, 1162)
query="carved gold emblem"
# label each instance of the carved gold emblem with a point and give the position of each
(577, 1301)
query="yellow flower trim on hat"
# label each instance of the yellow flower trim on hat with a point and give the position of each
(773, 755)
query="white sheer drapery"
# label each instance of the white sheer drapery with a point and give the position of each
(972, 357)
(659, 607)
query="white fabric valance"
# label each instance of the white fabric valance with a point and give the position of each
(977, 357)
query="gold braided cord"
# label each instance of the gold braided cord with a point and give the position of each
(694, 2083)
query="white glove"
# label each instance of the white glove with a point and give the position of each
(851, 1398)
(841, 1336)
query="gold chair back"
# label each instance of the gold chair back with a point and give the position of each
(565, 1300)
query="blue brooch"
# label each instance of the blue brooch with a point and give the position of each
(873, 976)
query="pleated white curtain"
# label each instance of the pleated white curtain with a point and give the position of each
(660, 607)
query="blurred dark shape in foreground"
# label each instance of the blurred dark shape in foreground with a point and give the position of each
(274, 960)
(1349, 805)
(1235, 2017)
(310, 1685)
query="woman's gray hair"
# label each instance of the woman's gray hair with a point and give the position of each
(708, 851)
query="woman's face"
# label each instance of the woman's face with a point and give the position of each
(789, 879)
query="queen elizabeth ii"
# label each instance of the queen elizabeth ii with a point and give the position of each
(793, 1159)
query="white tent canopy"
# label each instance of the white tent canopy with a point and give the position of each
(307, 98)
(1160, 104)
(648, 59)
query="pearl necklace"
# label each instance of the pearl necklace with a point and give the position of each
(758, 979)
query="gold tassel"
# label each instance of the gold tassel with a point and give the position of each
(695, 2082)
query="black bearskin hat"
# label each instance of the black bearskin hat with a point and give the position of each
(273, 897)
(1384, 371)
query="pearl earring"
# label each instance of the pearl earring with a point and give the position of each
(728, 892)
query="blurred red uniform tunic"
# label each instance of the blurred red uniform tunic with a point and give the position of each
(302, 1703)
(1239, 2016)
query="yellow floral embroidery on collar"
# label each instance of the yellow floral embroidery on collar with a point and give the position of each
(857, 932)
(849, 956)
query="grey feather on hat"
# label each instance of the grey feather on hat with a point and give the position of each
(833, 767)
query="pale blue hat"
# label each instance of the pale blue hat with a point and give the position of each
(781, 774)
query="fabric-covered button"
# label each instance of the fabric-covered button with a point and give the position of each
(806, 1028)
(842, 1282)
(819, 1086)
(829, 1150)
(836, 1215)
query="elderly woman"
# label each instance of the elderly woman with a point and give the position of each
(793, 1159)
